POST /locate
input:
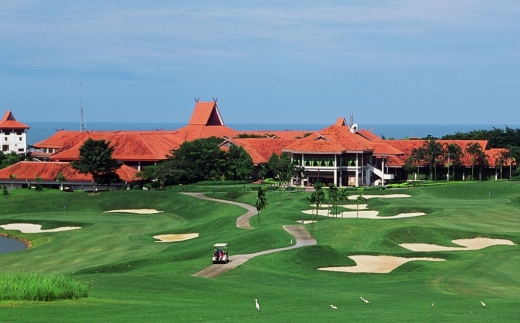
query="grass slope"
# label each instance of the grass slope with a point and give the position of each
(133, 278)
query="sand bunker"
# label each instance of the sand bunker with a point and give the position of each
(33, 228)
(467, 244)
(135, 211)
(305, 221)
(376, 264)
(363, 214)
(175, 237)
(387, 196)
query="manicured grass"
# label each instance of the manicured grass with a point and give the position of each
(133, 278)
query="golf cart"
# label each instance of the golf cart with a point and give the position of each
(220, 253)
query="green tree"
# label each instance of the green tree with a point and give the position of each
(500, 159)
(334, 197)
(317, 197)
(453, 153)
(343, 196)
(240, 164)
(38, 186)
(514, 157)
(261, 202)
(433, 151)
(473, 149)
(60, 178)
(359, 200)
(10, 159)
(95, 158)
(12, 177)
(272, 165)
(418, 155)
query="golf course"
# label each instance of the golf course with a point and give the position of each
(455, 250)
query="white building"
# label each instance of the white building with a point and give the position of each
(13, 135)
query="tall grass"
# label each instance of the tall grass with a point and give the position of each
(40, 287)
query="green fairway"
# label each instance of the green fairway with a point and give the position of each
(133, 278)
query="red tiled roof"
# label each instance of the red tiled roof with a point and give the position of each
(206, 114)
(261, 149)
(9, 122)
(47, 171)
(128, 145)
(278, 134)
(192, 132)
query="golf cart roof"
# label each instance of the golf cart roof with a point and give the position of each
(220, 245)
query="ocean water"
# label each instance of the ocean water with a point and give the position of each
(43, 130)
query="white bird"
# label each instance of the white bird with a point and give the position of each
(257, 305)
(483, 304)
(333, 307)
(433, 304)
(291, 241)
(364, 300)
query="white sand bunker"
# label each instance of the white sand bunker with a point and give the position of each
(175, 237)
(363, 214)
(33, 228)
(387, 196)
(376, 264)
(135, 211)
(305, 221)
(467, 244)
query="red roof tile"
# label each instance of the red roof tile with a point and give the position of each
(47, 171)
(206, 114)
(9, 122)
(261, 149)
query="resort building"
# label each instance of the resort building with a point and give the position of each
(13, 135)
(341, 154)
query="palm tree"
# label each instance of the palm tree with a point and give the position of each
(334, 196)
(500, 159)
(343, 196)
(482, 161)
(12, 177)
(433, 150)
(453, 153)
(60, 178)
(514, 157)
(317, 197)
(261, 202)
(418, 155)
(473, 149)
(359, 200)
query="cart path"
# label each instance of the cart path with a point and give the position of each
(301, 235)
(243, 220)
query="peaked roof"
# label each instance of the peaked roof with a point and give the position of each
(206, 114)
(47, 171)
(9, 122)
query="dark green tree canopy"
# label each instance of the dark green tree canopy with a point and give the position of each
(95, 158)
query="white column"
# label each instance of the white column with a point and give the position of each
(357, 169)
(383, 170)
(336, 170)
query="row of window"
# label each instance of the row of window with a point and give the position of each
(19, 139)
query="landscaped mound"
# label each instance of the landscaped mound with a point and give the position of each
(135, 211)
(33, 228)
(467, 244)
(175, 237)
(375, 264)
(363, 214)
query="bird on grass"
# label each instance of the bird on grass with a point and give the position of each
(333, 307)
(291, 242)
(364, 300)
(482, 303)
(433, 304)
(257, 305)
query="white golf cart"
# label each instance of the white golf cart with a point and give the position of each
(220, 253)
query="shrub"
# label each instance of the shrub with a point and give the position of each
(233, 194)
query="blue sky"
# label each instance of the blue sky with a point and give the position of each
(385, 62)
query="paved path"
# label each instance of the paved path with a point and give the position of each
(301, 236)
(243, 220)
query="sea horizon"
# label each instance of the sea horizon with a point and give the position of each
(40, 130)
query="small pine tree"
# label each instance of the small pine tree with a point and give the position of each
(5, 190)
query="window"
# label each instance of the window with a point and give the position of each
(20, 138)
(5, 147)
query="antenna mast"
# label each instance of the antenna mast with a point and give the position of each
(82, 124)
